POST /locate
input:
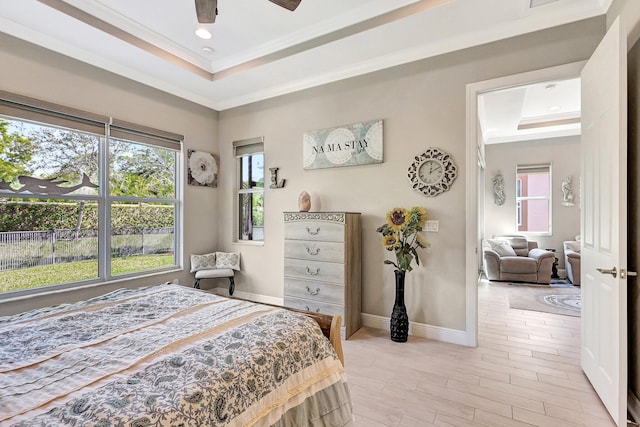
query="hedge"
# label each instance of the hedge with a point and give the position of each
(33, 216)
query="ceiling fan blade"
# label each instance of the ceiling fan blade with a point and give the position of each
(287, 4)
(206, 11)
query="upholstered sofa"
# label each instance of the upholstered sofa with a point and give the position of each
(572, 260)
(514, 259)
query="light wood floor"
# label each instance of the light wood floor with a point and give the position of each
(525, 371)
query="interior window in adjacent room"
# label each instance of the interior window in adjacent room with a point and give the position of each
(533, 199)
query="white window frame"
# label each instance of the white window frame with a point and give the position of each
(244, 148)
(534, 169)
(27, 109)
(518, 202)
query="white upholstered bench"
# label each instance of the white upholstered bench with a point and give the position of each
(216, 265)
(215, 273)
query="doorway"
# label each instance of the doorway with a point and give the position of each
(476, 158)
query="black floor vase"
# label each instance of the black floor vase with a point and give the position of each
(399, 318)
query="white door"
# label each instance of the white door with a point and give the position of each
(604, 222)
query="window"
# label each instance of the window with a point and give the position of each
(82, 200)
(518, 202)
(533, 199)
(250, 177)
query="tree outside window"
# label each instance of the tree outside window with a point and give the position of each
(59, 225)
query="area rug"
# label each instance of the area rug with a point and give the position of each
(558, 298)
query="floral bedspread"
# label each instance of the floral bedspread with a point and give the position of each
(168, 356)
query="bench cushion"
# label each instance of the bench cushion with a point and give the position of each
(213, 273)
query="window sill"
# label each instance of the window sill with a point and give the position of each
(55, 290)
(248, 243)
(534, 234)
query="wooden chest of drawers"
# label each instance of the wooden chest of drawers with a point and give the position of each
(322, 264)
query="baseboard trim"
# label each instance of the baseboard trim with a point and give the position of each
(438, 333)
(633, 405)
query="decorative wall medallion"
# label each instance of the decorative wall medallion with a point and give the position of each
(432, 172)
(349, 145)
(498, 190)
(202, 168)
(568, 198)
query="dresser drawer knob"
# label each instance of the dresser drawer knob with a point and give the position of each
(306, 307)
(313, 233)
(313, 273)
(310, 292)
(317, 251)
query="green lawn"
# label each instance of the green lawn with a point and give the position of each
(34, 277)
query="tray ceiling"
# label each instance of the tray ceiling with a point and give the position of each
(259, 50)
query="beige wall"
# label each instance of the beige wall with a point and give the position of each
(422, 104)
(39, 73)
(564, 156)
(629, 10)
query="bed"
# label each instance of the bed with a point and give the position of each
(169, 355)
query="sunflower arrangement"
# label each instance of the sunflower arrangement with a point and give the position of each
(401, 235)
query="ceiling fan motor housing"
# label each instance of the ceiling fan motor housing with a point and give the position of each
(206, 11)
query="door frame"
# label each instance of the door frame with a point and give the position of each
(475, 145)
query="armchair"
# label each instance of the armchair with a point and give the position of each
(513, 258)
(572, 261)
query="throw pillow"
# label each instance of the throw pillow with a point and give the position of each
(203, 262)
(494, 242)
(228, 260)
(574, 246)
(504, 249)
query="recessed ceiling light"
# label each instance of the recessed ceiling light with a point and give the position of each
(203, 33)
(207, 49)
(554, 108)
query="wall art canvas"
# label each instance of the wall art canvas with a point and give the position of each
(349, 145)
(202, 168)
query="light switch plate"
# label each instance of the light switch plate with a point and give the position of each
(431, 225)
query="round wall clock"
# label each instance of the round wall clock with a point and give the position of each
(432, 172)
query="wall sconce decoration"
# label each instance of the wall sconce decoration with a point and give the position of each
(498, 189)
(568, 197)
(274, 179)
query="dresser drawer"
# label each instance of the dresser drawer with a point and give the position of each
(314, 270)
(314, 230)
(314, 291)
(315, 306)
(314, 251)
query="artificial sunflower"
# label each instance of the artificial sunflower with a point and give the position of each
(418, 215)
(400, 234)
(390, 242)
(397, 218)
(421, 241)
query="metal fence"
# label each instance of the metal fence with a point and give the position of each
(23, 249)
